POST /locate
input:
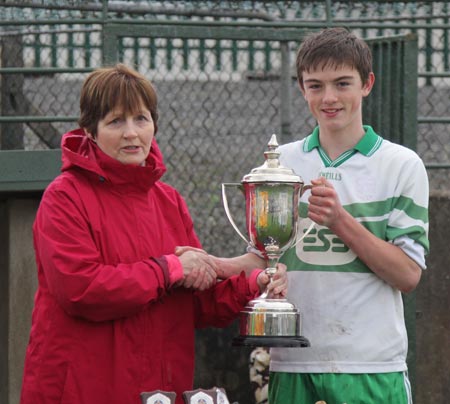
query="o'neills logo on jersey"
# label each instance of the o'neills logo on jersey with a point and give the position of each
(322, 247)
(333, 176)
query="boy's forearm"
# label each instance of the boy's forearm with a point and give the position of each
(234, 266)
(386, 260)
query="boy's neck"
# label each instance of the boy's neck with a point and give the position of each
(336, 143)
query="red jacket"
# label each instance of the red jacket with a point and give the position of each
(107, 323)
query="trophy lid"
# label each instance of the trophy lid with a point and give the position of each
(272, 170)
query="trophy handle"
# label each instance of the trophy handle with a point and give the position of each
(305, 188)
(227, 210)
(311, 226)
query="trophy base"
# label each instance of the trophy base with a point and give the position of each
(271, 341)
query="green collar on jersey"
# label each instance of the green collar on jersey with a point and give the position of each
(367, 146)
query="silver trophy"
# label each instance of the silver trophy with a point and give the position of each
(272, 195)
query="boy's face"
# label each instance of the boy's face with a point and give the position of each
(334, 96)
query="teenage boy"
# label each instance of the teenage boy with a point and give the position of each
(370, 204)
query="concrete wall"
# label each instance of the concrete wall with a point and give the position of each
(433, 309)
(17, 287)
(217, 362)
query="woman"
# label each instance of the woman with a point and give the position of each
(117, 304)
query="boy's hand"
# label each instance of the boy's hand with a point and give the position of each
(278, 287)
(324, 205)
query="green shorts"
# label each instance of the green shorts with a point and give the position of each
(339, 388)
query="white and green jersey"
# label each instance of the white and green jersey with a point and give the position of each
(353, 319)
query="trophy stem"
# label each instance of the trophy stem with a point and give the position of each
(272, 261)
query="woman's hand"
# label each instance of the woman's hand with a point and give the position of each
(199, 268)
(277, 288)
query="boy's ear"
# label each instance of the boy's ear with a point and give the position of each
(302, 89)
(368, 85)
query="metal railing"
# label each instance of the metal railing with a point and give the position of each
(55, 47)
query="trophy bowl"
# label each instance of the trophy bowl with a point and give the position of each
(272, 194)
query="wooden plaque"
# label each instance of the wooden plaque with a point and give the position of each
(158, 397)
(201, 396)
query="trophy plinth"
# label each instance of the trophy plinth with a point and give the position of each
(272, 194)
(270, 323)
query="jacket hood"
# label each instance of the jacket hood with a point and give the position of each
(80, 152)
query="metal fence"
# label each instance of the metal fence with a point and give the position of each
(220, 97)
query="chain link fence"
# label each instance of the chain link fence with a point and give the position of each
(219, 100)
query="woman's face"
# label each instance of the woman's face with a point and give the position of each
(126, 138)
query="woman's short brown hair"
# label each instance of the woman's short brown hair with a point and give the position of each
(113, 87)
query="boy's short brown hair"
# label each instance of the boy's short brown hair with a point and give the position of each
(333, 47)
(113, 87)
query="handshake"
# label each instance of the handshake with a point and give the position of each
(201, 271)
